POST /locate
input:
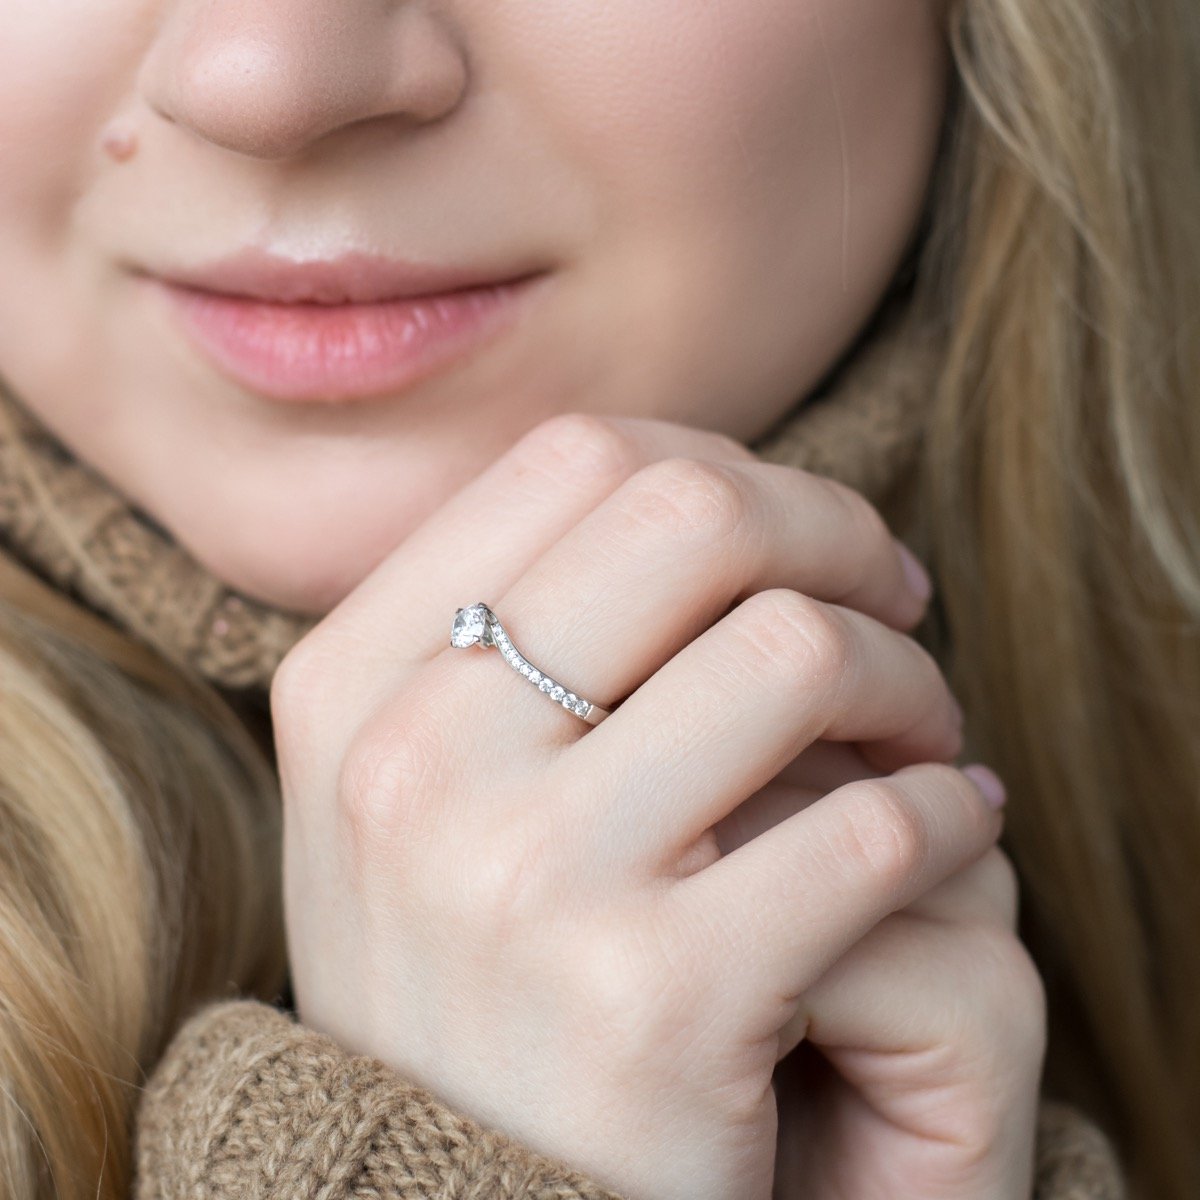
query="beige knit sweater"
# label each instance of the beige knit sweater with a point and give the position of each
(247, 1104)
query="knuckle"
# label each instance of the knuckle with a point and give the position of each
(994, 1037)
(578, 444)
(800, 638)
(1013, 1001)
(886, 833)
(618, 976)
(386, 780)
(613, 976)
(497, 884)
(1027, 989)
(685, 496)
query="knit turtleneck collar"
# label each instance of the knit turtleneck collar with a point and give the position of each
(63, 521)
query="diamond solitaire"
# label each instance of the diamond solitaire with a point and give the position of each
(470, 625)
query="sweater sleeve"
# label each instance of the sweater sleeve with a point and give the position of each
(247, 1104)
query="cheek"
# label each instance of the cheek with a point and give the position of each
(761, 163)
(64, 66)
(746, 99)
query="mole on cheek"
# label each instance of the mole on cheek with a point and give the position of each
(119, 144)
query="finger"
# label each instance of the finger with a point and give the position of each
(896, 989)
(985, 892)
(941, 1029)
(798, 897)
(982, 894)
(671, 549)
(484, 537)
(732, 709)
(910, 985)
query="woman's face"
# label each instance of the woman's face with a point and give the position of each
(715, 196)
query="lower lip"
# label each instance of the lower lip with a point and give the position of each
(342, 352)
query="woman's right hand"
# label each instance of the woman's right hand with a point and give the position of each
(532, 917)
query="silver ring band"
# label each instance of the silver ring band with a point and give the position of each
(477, 625)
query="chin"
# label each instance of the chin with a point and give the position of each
(290, 574)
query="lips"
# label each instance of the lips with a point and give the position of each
(342, 329)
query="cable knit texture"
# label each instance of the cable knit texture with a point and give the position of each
(246, 1104)
(249, 1105)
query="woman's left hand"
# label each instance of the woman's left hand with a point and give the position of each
(916, 1073)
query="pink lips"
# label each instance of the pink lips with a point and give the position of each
(341, 329)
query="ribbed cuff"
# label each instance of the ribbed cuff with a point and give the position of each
(247, 1104)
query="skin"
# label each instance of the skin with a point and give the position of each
(722, 192)
(602, 941)
(722, 189)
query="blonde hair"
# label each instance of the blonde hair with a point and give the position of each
(1059, 506)
(139, 875)
(1058, 503)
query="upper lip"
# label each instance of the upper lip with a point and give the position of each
(353, 278)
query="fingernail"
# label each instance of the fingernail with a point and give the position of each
(915, 574)
(988, 783)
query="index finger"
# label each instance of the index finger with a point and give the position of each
(487, 534)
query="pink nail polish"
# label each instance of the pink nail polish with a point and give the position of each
(915, 575)
(988, 782)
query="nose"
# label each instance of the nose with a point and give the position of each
(269, 78)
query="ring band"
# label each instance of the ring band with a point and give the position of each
(477, 625)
